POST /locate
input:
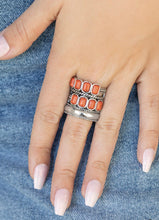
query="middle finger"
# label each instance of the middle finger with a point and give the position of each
(71, 146)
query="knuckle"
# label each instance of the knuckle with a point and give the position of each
(21, 30)
(148, 138)
(48, 116)
(40, 149)
(76, 132)
(109, 125)
(67, 172)
(152, 101)
(153, 133)
(99, 165)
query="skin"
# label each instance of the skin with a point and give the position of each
(113, 43)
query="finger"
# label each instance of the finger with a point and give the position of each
(19, 36)
(104, 139)
(69, 154)
(49, 110)
(148, 93)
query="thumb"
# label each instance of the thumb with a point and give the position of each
(20, 35)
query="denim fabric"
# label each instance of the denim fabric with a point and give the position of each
(129, 193)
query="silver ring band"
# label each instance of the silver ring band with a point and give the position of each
(90, 116)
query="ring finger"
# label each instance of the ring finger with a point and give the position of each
(104, 139)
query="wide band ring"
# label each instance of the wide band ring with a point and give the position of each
(85, 99)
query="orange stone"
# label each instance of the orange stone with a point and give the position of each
(91, 104)
(95, 89)
(82, 102)
(99, 106)
(72, 81)
(86, 86)
(78, 84)
(74, 99)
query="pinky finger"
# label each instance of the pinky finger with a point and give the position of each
(148, 93)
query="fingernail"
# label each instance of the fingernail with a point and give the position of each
(40, 174)
(4, 47)
(61, 201)
(148, 157)
(92, 193)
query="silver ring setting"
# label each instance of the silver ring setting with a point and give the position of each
(85, 99)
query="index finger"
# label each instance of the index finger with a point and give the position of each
(50, 107)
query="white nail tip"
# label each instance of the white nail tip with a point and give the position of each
(61, 201)
(148, 157)
(4, 47)
(92, 193)
(40, 175)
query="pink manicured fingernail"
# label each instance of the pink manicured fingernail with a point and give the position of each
(148, 157)
(92, 193)
(61, 201)
(4, 47)
(40, 174)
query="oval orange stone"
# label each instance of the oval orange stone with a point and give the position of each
(99, 106)
(72, 81)
(91, 104)
(78, 84)
(86, 86)
(95, 89)
(74, 99)
(82, 102)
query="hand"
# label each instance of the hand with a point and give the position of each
(113, 43)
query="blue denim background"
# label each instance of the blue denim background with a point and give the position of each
(128, 194)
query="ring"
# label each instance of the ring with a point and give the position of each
(85, 99)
